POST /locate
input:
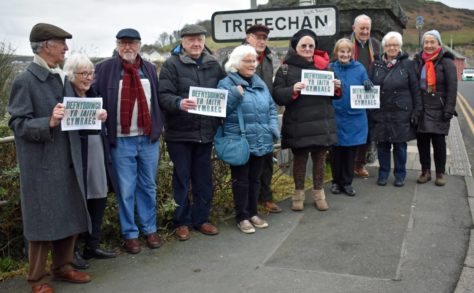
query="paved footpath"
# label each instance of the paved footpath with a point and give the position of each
(385, 239)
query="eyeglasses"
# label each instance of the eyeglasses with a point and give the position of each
(85, 74)
(392, 45)
(124, 43)
(304, 46)
(259, 37)
(253, 61)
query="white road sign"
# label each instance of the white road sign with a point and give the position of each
(283, 23)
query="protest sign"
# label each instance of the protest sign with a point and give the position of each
(81, 113)
(210, 102)
(318, 82)
(362, 99)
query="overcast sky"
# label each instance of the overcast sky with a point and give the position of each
(94, 23)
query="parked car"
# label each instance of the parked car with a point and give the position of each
(468, 74)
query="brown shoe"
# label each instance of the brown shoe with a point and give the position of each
(271, 207)
(208, 229)
(361, 172)
(42, 288)
(132, 246)
(153, 240)
(182, 233)
(424, 177)
(440, 180)
(72, 276)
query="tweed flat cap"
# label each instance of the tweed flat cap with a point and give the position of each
(257, 28)
(193, 29)
(45, 31)
(128, 33)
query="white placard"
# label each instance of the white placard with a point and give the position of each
(81, 113)
(362, 99)
(210, 102)
(318, 82)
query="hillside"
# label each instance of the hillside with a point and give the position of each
(454, 23)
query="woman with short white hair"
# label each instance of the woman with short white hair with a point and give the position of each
(97, 166)
(249, 92)
(393, 124)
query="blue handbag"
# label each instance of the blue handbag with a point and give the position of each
(232, 149)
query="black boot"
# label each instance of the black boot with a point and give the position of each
(78, 262)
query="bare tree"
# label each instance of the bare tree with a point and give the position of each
(163, 38)
(7, 73)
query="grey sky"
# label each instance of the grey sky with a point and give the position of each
(94, 23)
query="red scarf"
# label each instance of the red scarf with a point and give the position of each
(132, 90)
(320, 59)
(260, 58)
(430, 69)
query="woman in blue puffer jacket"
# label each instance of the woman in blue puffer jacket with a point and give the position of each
(351, 123)
(261, 125)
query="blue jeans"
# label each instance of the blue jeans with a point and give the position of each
(136, 161)
(399, 159)
(192, 164)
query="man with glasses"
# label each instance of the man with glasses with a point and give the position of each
(129, 86)
(189, 136)
(257, 37)
(53, 205)
(366, 51)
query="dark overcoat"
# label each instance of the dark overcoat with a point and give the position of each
(51, 183)
(399, 100)
(443, 100)
(308, 121)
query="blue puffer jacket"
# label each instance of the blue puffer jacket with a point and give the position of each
(352, 125)
(258, 109)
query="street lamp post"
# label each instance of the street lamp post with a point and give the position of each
(419, 26)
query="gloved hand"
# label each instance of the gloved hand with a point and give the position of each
(447, 116)
(415, 118)
(368, 85)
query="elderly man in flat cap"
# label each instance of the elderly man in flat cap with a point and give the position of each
(53, 204)
(189, 136)
(129, 86)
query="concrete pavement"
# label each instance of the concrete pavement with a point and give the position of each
(385, 239)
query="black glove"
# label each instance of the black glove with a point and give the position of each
(368, 85)
(415, 118)
(447, 116)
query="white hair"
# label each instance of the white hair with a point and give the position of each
(74, 62)
(393, 35)
(237, 55)
(361, 17)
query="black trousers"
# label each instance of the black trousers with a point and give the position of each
(96, 207)
(266, 178)
(439, 150)
(245, 187)
(342, 164)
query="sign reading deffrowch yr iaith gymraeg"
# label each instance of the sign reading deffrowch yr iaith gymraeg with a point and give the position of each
(230, 26)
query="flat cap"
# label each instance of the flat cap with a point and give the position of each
(128, 33)
(258, 28)
(45, 31)
(193, 29)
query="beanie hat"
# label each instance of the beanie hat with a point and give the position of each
(303, 33)
(433, 33)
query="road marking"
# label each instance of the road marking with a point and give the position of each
(465, 108)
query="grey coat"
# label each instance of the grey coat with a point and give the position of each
(51, 183)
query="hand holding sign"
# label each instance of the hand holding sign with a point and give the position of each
(102, 115)
(58, 114)
(298, 87)
(187, 104)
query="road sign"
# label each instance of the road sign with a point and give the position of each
(419, 22)
(230, 26)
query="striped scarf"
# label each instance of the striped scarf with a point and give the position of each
(428, 72)
(371, 48)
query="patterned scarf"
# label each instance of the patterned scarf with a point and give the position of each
(132, 90)
(356, 49)
(428, 72)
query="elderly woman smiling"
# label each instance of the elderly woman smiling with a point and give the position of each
(80, 71)
(248, 91)
(400, 108)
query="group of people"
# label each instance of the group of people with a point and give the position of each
(65, 176)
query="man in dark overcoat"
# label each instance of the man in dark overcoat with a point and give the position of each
(53, 205)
